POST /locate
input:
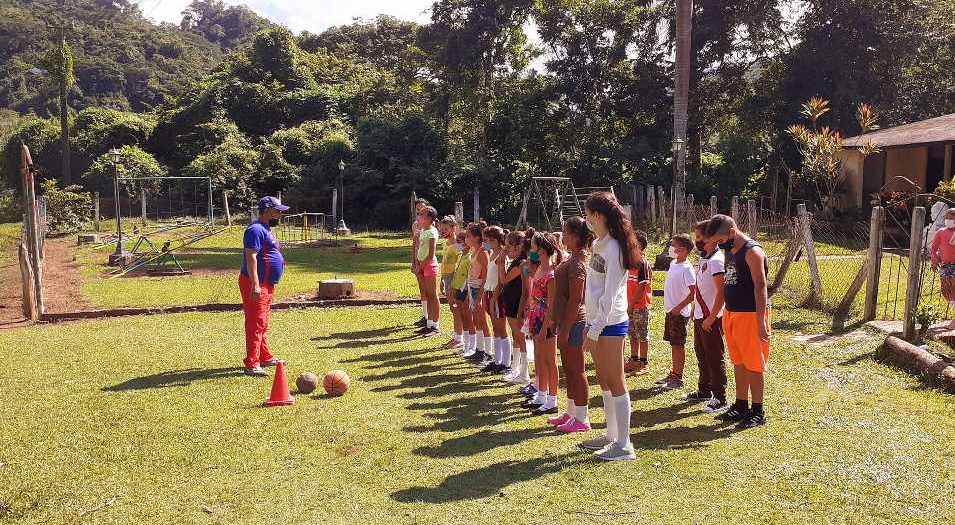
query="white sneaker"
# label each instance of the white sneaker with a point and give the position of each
(520, 379)
(597, 444)
(616, 452)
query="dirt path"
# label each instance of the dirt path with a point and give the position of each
(62, 284)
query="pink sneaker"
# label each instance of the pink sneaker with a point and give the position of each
(574, 426)
(453, 344)
(559, 420)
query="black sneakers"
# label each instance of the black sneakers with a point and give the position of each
(753, 419)
(421, 323)
(697, 396)
(715, 405)
(735, 414)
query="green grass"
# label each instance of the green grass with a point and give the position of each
(381, 268)
(9, 240)
(151, 411)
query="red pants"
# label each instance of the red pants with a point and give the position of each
(256, 321)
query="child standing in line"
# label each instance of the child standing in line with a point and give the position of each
(419, 205)
(529, 270)
(449, 261)
(679, 290)
(639, 297)
(568, 309)
(477, 274)
(515, 281)
(541, 324)
(708, 323)
(458, 296)
(942, 252)
(497, 261)
(428, 268)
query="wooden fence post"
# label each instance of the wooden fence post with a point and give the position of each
(751, 227)
(96, 211)
(635, 201)
(31, 227)
(652, 206)
(791, 250)
(459, 212)
(913, 286)
(815, 292)
(26, 282)
(734, 209)
(477, 204)
(874, 268)
(225, 207)
(712, 205)
(142, 204)
(662, 201)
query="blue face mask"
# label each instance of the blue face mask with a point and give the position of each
(487, 245)
(459, 246)
(534, 257)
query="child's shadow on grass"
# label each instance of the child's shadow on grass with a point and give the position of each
(482, 441)
(487, 481)
(359, 334)
(679, 438)
(174, 378)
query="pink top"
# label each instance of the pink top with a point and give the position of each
(942, 250)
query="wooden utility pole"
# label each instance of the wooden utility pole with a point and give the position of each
(30, 225)
(225, 207)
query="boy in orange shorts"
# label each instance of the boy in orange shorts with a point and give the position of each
(745, 320)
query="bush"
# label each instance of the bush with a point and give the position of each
(9, 206)
(134, 163)
(68, 209)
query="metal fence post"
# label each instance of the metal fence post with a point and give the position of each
(874, 267)
(142, 204)
(225, 207)
(913, 286)
(96, 211)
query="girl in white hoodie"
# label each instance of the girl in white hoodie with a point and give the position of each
(605, 299)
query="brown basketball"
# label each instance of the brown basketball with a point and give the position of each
(336, 382)
(307, 382)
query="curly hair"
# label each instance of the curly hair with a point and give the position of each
(495, 233)
(476, 229)
(618, 225)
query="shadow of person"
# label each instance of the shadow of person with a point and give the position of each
(173, 378)
(360, 334)
(677, 438)
(487, 481)
(482, 441)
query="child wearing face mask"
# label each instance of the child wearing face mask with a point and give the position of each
(497, 260)
(942, 252)
(679, 291)
(477, 275)
(514, 280)
(459, 296)
(449, 261)
(708, 323)
(639, 298)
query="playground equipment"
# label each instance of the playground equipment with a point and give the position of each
(554, 199)
(303, 227)
(162, 261)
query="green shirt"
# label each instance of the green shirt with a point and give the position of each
(424, 244)
(461, 272)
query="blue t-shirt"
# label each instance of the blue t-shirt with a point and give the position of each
(258, 236)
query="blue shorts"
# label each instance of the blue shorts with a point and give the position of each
(576, 335)
(616, 330)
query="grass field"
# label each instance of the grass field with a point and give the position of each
(148, 420)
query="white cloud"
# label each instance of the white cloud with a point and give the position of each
(298, 15)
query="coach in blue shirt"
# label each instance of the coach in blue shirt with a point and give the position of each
(262, 252)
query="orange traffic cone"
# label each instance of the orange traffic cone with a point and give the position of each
(280, 392)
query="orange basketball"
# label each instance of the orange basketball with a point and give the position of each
(336, 382)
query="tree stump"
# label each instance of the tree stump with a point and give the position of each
(336, 289)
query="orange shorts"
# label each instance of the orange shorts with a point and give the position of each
(743, 344)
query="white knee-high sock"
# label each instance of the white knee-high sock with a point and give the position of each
(580, 413)
(488, 345)
(609, 414)
(497, 351)
(621, 412)
(424, 308)
(506, 352)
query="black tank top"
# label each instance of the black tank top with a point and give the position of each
(738, 281)
(512, 290)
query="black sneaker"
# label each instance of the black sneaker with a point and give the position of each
(734, 414)
(715, 405)
(476, 357)
(530, 405)
(429, 332)
(697, 396)
(543, 412)
(753, 419)
(504, 370)
(421, 323)
(489, 368)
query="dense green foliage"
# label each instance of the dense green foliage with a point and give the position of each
(471, 100)
(68, 209)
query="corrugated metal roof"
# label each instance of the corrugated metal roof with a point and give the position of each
(938, 129)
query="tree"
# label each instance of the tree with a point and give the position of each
(134, 163)
(228, 26)
(58, 64)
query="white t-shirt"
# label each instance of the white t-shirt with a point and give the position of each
(680, 278)
(605, 293)
(706, 269)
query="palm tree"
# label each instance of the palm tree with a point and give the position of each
(684, 25)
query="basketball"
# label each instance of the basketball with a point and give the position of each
(306, 382)
(336, 382)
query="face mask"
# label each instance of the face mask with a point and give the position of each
(486, 245)
(534, 257)
(459, 246)
(727, 244)
(671, 252)
(273, 223)
(701, 246)
(950, 223)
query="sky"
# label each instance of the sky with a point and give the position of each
(303, 15)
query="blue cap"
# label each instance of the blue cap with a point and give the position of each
(266, 203)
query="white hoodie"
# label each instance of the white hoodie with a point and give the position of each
(606, 293)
